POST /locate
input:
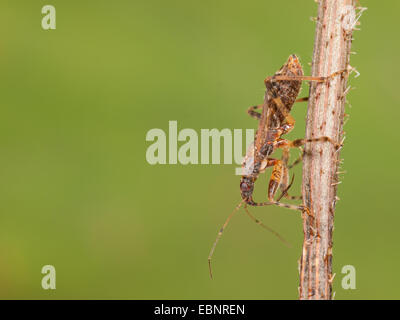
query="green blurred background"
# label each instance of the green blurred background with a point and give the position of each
(76, 191)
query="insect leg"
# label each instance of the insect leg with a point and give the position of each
(266, 227)
(277, 179)
(252, 113)
(306, 78)
(284, 186)
(283, 205)
(297, 161)
(280, 204)
(304, 99)
(274, 183)
(282, 143)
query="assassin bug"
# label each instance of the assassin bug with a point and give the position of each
(275, 120)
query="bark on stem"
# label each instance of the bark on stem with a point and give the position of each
(335, 23)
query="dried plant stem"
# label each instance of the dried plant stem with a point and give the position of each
(334, 27)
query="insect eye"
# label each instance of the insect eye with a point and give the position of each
(245, 186)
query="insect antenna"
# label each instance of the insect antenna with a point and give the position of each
(266, 227)
(220, 234)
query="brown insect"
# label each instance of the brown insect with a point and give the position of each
(275, 120)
